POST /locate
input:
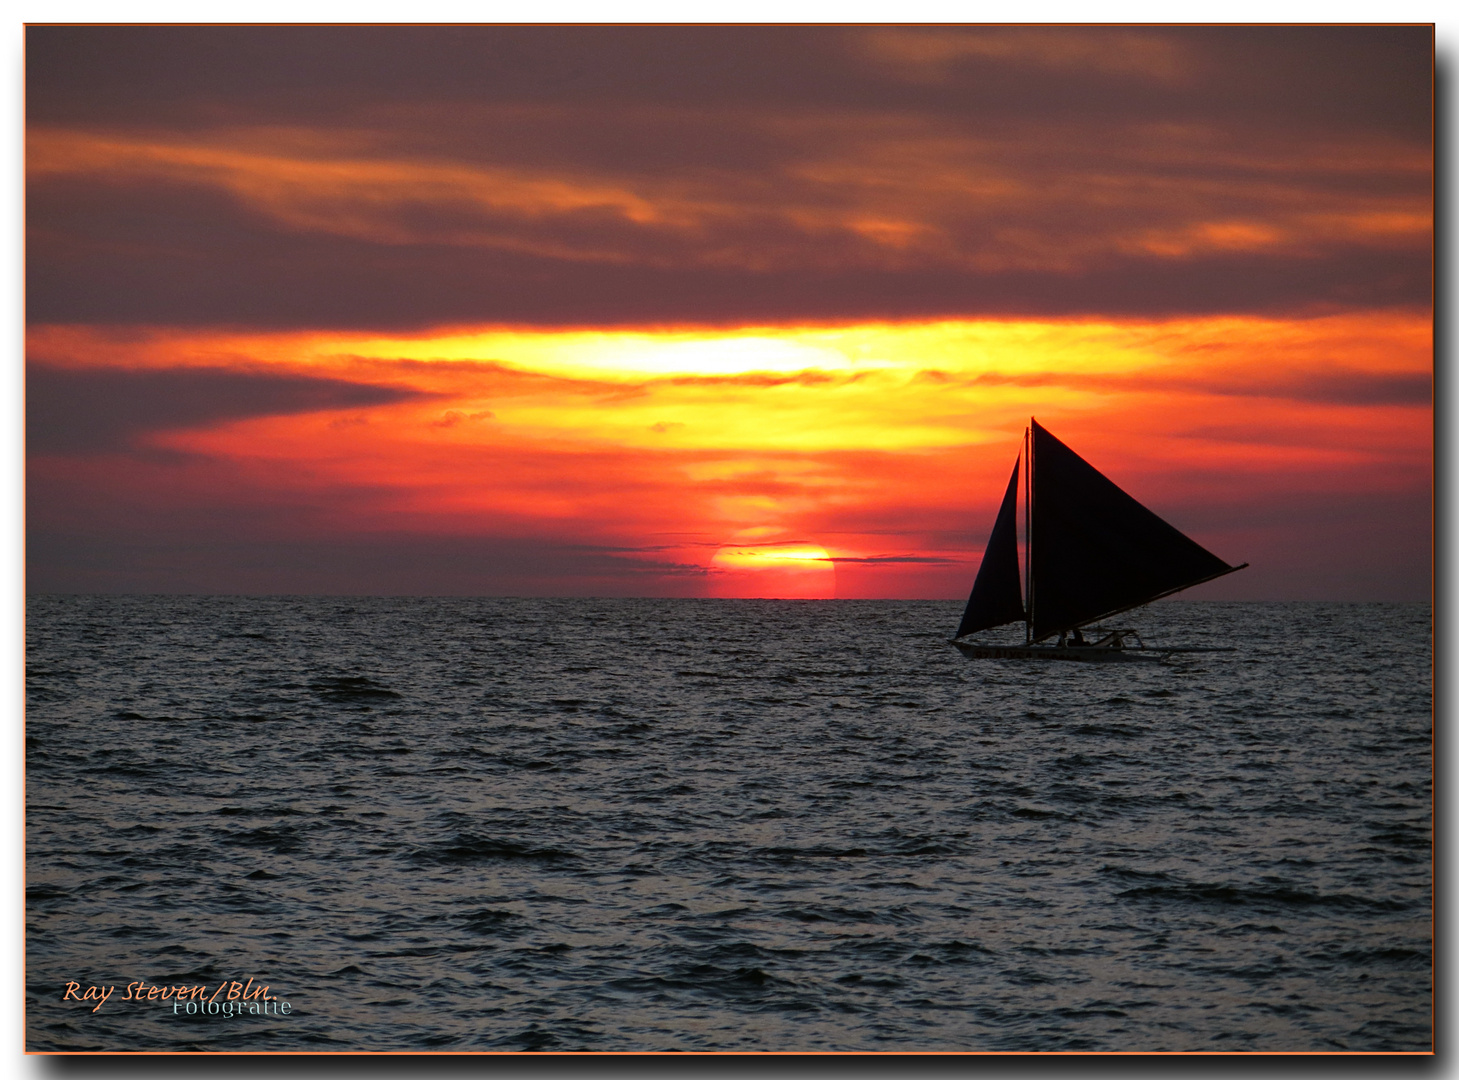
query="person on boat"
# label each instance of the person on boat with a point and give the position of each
(1078, 637)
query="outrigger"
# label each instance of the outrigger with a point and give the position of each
(1091, 552)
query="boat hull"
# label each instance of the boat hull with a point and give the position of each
(1089, 654)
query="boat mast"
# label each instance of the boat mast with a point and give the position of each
(1027, 538)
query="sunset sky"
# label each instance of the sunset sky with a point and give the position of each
(717, 311)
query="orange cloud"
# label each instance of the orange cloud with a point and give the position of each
(877, 190)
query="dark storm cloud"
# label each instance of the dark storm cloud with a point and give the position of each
(1342, 78)
(231, 549)
(144, 258)
(1323, 387)
(400, 176)
(1357, 388)
(87, 411)
(935, 560)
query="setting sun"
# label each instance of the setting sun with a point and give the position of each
(790, 570)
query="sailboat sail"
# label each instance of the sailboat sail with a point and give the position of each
(997, 596)
(1095, 551)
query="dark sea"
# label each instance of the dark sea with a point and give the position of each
(732, 825)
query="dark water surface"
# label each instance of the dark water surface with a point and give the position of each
(671, 824)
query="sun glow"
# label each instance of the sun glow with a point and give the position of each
(793, 569)
(887, 442)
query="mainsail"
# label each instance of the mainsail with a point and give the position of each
(1095, 550)
(997, 597)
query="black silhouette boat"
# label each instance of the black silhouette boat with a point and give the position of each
(1092, 552)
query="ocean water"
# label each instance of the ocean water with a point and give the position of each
(493, 824)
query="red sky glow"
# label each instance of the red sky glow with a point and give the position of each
(651, 311)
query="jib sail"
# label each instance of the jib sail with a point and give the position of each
(997, 596)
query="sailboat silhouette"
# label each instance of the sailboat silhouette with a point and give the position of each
(1092, 552)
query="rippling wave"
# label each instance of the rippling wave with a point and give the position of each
(457, 824)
